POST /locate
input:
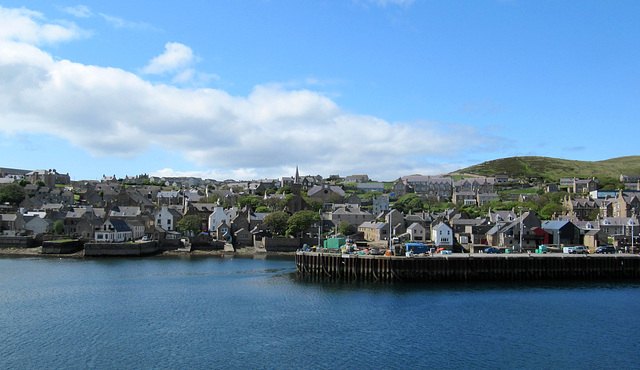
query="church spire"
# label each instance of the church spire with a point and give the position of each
(297, 178)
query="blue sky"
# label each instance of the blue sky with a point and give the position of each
(250, 89)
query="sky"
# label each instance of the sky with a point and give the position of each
(252, 89)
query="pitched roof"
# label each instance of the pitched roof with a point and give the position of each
(120, 225)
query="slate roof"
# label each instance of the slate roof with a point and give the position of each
(119, 225)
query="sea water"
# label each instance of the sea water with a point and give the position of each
(211, 312)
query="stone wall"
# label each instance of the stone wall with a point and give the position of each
(120, 249)
(17, 242)
(287, 244)
(53, 247)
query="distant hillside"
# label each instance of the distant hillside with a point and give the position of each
(553, 169)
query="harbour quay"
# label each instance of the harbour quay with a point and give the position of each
(467, 267)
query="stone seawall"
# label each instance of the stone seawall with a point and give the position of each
(121, 249)
(287, 244)
(62, 247)
(17, 242)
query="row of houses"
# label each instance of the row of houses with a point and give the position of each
(504, 229)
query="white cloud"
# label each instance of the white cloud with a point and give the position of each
(176, 57)
(118, 22)
(80, 11)
(110, 112)
(384, 3)
(29, 26)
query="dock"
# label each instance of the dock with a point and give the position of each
(467, 267)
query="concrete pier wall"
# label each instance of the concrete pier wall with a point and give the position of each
(467, 267)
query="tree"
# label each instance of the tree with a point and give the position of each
(41, 183)
(284, 190)
(263, 209)
(610, 183)
(24, 182)
(58, 227)
(409, 203)
(345, 228)
(211, 198)
(547, 212)
(250, 201)
(277, 221)
(371, 194)
(275, 204)
(190, 224)
(12, 193)
(301, 221)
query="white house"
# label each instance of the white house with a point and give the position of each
(442, 235)
(167, 218)
(217, 217)
(114, 230)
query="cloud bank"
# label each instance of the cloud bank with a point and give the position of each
(113, 112)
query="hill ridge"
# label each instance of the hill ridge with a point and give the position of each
(551, 169)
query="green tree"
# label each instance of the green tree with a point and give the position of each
(24, 182)
(371, 194)
(58, 227)
(275, 204)
(190, 224)
(284, 190)
(301, 221)
(41, 183)
(12, 193)
(547, 212)
(277, 221)
(250, 201)
(263, 209)
(610, 183)
(345, 228)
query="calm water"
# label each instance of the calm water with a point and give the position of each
(244, 313)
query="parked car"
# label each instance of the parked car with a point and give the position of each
(493, 250)
(606, 249)
(580, 249)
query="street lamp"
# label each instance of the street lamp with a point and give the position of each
(520, 231)
(632, 223)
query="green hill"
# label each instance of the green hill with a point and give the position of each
(552, 169)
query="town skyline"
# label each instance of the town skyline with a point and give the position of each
(252, 90)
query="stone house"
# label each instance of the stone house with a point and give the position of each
(380, 204)
(509, 234)
(352, 214)
(38, 225)
(440, 188)
(326, 193)
(417, 232)
(356, 178)
(374, 231)
(626, 205)
(12, 223)
(396, 219)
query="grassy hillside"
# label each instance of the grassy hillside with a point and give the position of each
(552, 169)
